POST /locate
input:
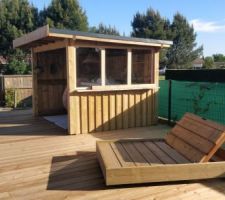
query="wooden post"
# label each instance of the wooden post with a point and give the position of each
(129, 66)
(1, 89)
(156, 81)
(71, 86)
(34, 84)
(15, 98)
(169, 102)
(103, 67)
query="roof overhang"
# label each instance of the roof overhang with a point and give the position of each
(45, 35)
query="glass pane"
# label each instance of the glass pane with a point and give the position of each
(141, 66)
(116, 66)
(88, 67)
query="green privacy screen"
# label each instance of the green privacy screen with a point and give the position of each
(204, 99)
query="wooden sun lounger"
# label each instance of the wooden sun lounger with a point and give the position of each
(191, 150)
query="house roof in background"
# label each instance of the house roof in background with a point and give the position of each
(45, 35)
(198, 61)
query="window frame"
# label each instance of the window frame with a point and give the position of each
(129, 85)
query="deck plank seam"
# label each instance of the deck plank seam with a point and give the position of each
(195, 132)
(215, 126)
(153, 153)
(116, 155)
(166, 153)
(128, 154)
(140, 153)
(189, 144)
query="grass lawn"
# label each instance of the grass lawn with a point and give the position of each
(161, 77)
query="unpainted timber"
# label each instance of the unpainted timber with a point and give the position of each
(45, 35)
(132, 161)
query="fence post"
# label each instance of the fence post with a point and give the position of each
(1, 90)
(15, 98)
(169, 101)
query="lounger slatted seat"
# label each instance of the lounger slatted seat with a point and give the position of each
(191, 150)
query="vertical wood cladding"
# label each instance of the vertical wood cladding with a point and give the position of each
(103, 111)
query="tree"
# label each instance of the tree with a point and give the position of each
(105, 29)
(64, 14)
(183, 50)
(219, 57)
(208, 62)
(16, 18)
(18, 63)
(151, 25)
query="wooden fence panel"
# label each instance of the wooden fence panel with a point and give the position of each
(19, 86)
(17, 81)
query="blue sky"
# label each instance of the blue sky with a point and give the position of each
(207, 16)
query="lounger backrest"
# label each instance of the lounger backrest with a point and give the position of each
(196, 138)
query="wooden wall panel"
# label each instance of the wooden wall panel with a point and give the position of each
(77, 115)
(143, 109)
(138, 109)
(131, 110)
(150, 105)
(103, 111)
(125, 114)
(112, 111)
(50, 72)
(98, 113)
(119, 110)
(91, 113)
(84, 113)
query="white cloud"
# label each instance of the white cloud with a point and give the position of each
(208, 26)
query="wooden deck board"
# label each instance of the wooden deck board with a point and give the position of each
(172, 153)
(159, 153)
(147, 154)
(42, 162)
(135, 155)
(122, 155)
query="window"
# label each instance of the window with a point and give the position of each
(116, 66)
(88, 67)
(141, 66)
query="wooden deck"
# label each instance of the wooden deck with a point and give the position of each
(39, 161)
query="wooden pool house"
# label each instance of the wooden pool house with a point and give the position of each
(108, 82)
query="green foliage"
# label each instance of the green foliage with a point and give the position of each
(183, 51)
(163, 60)
(16, 18)
(17, 64)
(219, 58)
(9, 98)
(197, 101)
(64, 14)
(208, 62)
(103, 29)
(151, 25)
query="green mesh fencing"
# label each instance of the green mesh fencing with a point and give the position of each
(163, 98)
(204, 99)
